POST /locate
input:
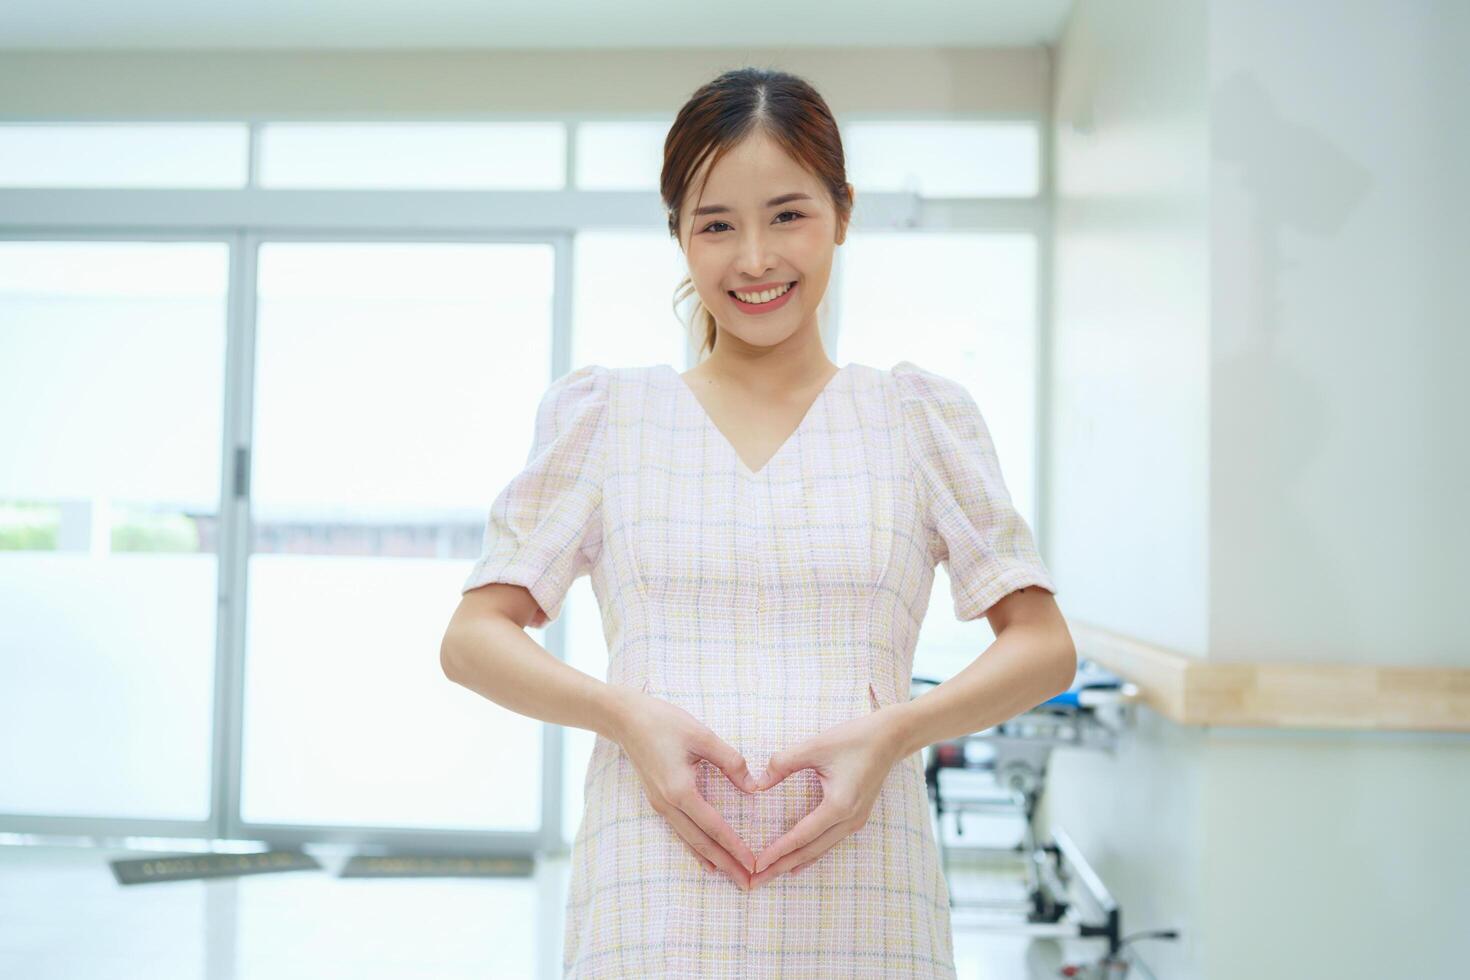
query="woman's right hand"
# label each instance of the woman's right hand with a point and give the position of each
(665, 743)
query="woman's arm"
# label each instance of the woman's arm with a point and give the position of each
(486, 649)
(1033, 658)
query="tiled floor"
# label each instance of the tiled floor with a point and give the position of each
(64, 917)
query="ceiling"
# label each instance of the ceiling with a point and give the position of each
(524, 24)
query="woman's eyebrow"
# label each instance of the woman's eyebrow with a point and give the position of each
(721, 209)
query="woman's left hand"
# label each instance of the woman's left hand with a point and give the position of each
(851, 760)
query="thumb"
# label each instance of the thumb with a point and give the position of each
(782, 764)
(724, 757)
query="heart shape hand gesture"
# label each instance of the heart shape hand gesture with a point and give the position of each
(851, 760)
(666, 744)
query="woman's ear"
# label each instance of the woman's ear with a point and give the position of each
(842, 221)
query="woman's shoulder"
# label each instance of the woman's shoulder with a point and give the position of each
(597, 380)
(598, 386)
(577, 398)
(581, 384)
(920, 384)
(604, 374)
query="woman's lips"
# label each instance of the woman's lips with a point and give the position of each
(774, 304)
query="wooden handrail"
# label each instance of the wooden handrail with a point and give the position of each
(1195, 691)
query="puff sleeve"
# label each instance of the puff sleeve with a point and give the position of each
(970, 523)
(545, 527)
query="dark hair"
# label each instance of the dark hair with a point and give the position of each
(725, 111)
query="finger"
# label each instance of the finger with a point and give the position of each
(698, 841)
(664, 811)
(724, 757)
(704, 845)
(708, 819)
(783, 764)
(708, 864)
(805, 855)
(807, 829)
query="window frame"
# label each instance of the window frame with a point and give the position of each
(248, 216)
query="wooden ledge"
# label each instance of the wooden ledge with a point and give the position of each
(1195, 691)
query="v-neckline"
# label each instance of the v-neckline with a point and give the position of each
(730, 446)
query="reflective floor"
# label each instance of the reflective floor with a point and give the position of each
(63, 915)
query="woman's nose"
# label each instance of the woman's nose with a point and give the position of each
(755, 257)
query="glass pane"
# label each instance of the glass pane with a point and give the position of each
(111, 388)
(622, 316)
(396, 391)
(623, 296)
(439, 156)
(124, 155)
(586, 650)
(973, 319)
(945, 159)
(620, 156)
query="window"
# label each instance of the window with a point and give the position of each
(507, 156)
(137, 155)
(111, 386)
(389, 359)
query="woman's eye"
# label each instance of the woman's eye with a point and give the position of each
(711, 226)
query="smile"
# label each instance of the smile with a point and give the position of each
(765, 301)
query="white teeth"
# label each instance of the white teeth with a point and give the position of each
(764, 297)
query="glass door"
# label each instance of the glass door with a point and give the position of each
(112, 371)
(395, 387)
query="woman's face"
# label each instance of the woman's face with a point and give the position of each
(738, 240)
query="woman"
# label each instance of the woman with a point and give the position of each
(761, 533)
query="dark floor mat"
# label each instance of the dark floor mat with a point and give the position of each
(182, 867)
(436, 866)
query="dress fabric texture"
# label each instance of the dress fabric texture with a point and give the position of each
(771, 605)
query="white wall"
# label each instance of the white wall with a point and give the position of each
(1261, 258)
(1339, 259)
(1128, 493)
(1130, 398)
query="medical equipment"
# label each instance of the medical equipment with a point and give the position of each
(1064, 897)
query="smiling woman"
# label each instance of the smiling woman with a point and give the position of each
(773, 646)
(742, 136)
(762, 534)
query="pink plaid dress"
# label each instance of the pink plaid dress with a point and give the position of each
(771, 605)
